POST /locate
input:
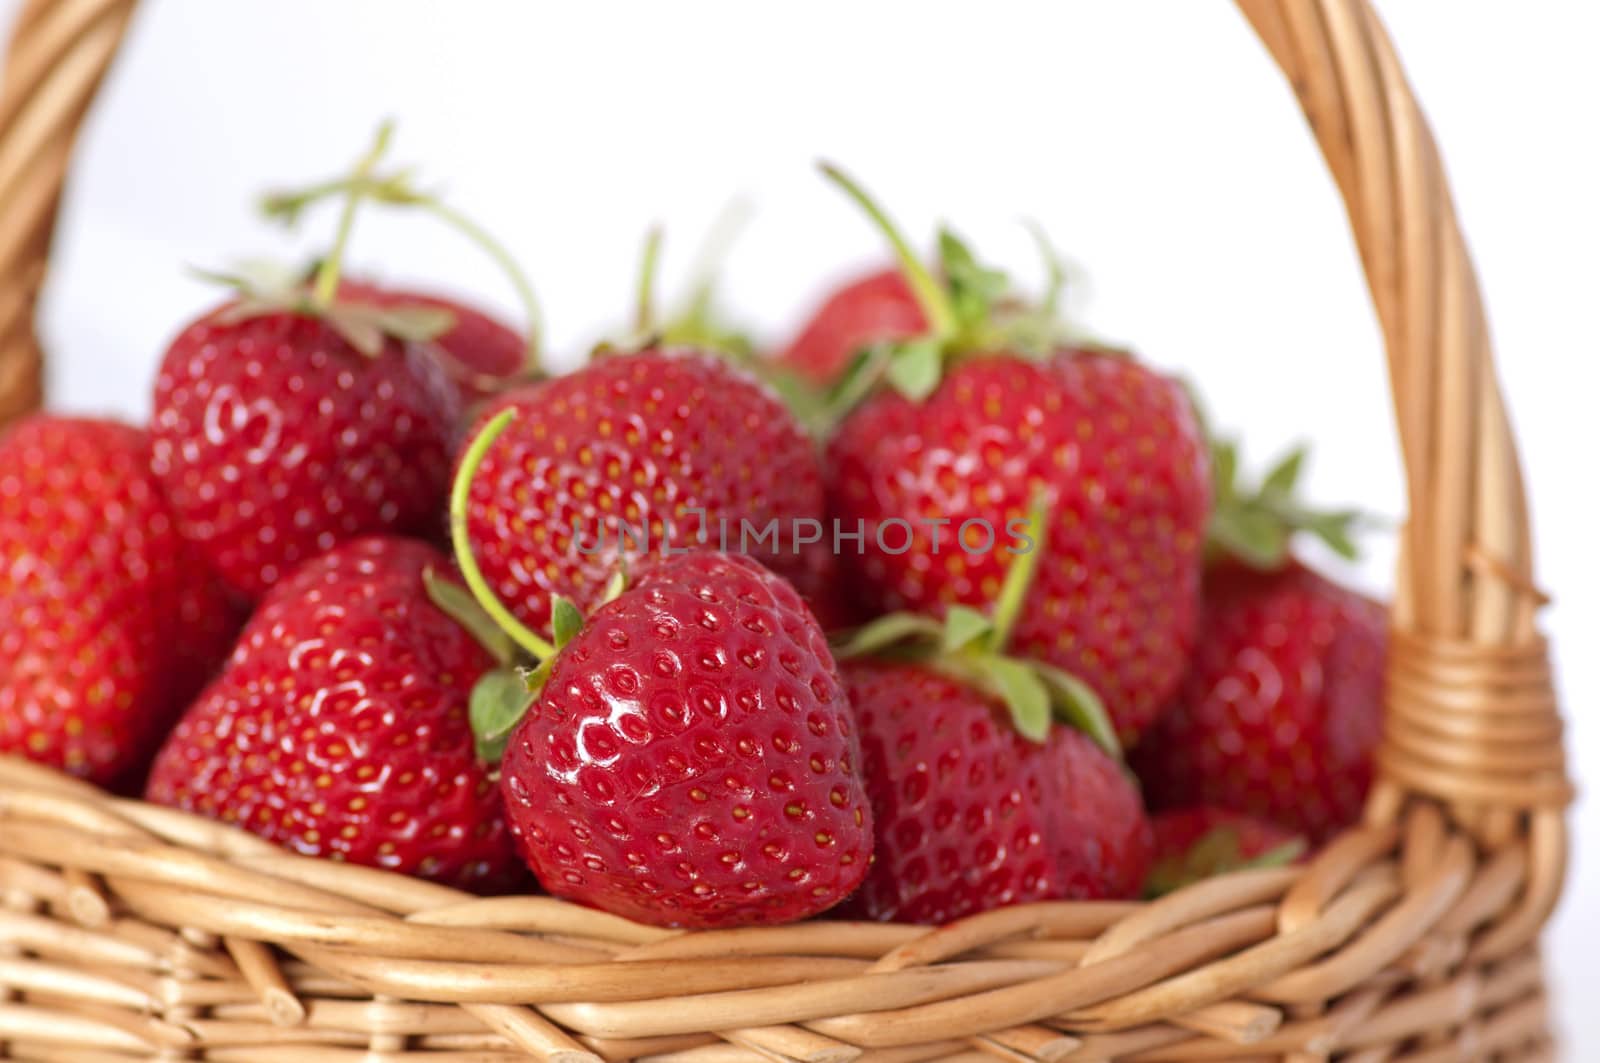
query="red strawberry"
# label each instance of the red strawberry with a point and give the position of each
(1281, 709)
(277, 438)
(971, 815)
(109, 622)
(339, 727)
(1198, 842)
(870, 309)
(668, 442)
(691, 759)
(483, 355)
(940, 469)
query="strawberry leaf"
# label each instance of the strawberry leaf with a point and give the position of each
(1258, 526)
(566, 620)
(963, 626)
(860, 376)
(887, 631)
(1025, 696)
(1281, 479)
(974, 288)
(915, 368)
(497, 704)
(456, 602)
(1076, 704)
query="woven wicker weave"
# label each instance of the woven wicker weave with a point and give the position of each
(132, 932)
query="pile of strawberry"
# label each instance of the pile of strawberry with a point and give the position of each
(935, 637)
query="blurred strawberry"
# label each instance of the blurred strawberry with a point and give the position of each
(980, 799)
(1282, 706)
(955, 433)
(870, 309)
(483, 355)
(109, 622)
(972, 815)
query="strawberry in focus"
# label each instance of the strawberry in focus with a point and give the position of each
(339, 727)
(972, 815)
(628, 457)
(691, 760)
(1196, 843)
(109, 622)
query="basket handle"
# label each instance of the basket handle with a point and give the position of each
(1472, 717)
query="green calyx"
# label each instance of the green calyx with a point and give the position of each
(972, 647)
(364, 326)
(1257, 526)
(1216, 853)
(696, 322)
(968, 306)
(398, 189)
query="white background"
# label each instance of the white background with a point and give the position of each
(1154, 140)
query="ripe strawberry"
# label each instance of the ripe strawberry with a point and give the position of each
(971, 815)
(1201, 841)
(663, 442)
(869, 309)
(276, 438)
(940, 469)
(1281, 709)
(691, 759)
(340, 729)
(109, 622)
(482, 355)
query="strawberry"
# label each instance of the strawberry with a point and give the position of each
(870, 309)
(971, 815)
(339, 727)
(109, 622)
(632, 455)
(482, 354)
(1282, 706)
(686, 755)
(982, 418)
(1201, 841)
(691, 760)
(980, 800)
(277, 437)
(289, 420)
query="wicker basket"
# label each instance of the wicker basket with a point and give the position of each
(133, 932)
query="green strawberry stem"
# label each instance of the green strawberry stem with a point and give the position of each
(1055, 270)
(695, 317)
(462, 545)
(1019, 578)
(644, 312)
(397, 190)
(931, 295)
(326, 285)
